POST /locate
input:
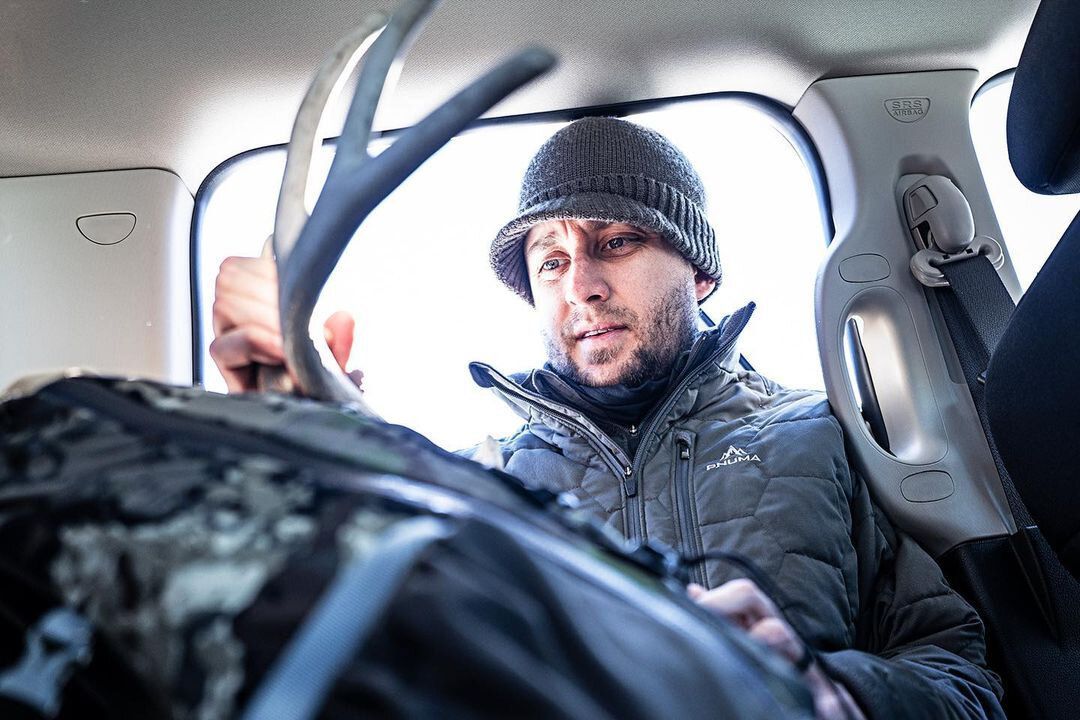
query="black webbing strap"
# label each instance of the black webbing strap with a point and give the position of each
(977, 309)
(982, 300)
(300, 681)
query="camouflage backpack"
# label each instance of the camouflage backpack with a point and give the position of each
(166, 552)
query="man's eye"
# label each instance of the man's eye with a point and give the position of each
(617, 243)
(549, 265)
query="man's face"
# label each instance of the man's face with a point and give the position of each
(618, 303)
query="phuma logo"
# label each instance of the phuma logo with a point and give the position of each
(733, 456)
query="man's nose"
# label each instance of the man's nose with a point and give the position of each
(585, 282)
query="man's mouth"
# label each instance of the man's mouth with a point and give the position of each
(600, 331)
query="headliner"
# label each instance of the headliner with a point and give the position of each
(98, 85)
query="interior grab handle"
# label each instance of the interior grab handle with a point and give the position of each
(864, 382)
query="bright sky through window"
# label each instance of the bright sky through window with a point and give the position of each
(417, 279)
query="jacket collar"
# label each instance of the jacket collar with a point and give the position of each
(515, 389)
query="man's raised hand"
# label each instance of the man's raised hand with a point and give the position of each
(247, 329)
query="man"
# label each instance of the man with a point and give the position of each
(652, 425)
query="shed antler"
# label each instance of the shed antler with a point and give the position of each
(308, 248)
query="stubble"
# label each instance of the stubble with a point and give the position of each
(669, 331)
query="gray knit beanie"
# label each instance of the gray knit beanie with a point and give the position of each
(609, 170)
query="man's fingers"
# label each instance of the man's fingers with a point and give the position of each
(247, 324)
(832, 701)
(235, 351)
(263, 267)
(339, 329)
(741, 601)
(778, 635)
(245, 291)
(244, 346)
(238, 311)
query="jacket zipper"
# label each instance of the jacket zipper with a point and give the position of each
(669, 400)
(737, 322)
(609, 452)
(684, 502)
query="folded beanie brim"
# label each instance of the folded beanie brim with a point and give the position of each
(507, 251)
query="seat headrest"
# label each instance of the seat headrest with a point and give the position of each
(1043, 125)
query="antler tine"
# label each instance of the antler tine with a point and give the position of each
(375, 181)
(357, 183)
(345, 204)
(352, 147)
(335, 69)
(291, 215)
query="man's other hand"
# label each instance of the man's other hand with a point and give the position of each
(247, 329)
(743, 603)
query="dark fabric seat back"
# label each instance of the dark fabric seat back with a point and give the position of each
(1033, 380)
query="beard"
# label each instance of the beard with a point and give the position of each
(668, 329)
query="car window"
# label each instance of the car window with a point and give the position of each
(1031, 223)
(417, 278)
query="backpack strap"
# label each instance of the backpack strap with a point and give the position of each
(299, 682)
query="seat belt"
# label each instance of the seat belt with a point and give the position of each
(977, 308)
(959, 267)
(983, 301)
(961, 271)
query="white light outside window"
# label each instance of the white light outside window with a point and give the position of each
(417, 278)
(1031, 223)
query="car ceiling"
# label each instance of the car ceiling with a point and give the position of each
(95, 85)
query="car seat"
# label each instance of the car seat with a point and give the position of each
(1032, 385)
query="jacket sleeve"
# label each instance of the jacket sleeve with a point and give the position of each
(919, 649)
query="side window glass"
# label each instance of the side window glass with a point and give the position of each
(767, 217)
(418, 280)
(1031, 223)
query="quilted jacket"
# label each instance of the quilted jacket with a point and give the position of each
(730, 461)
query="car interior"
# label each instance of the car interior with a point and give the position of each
(949, 364)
